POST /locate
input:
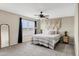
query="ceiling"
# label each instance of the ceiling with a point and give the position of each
(31, 9)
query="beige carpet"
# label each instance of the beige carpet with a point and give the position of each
(28, 49)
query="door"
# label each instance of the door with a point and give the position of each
(4, 35)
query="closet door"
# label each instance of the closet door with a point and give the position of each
(4, 36)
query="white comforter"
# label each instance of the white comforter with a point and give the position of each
(46, 40)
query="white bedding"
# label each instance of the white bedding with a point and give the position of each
(46, 40)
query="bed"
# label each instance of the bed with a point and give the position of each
(46, 40)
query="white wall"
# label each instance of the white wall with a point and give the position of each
(78, 37)
(67, 24)
(13, 21)
(76, 29)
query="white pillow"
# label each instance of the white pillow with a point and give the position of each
(45, 31)
(50, 32)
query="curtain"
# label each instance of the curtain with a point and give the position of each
(35, 27)
(20, 31)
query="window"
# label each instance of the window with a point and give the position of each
(27, 24)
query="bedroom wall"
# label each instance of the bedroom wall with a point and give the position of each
(67, 24)
(13, 21)
(76, 30)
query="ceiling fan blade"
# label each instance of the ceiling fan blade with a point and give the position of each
(47, 15)
(36, 15)
(46, 18)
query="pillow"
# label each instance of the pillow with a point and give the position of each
(51, 32)
(45, 31)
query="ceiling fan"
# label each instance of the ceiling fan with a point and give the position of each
(41, 15)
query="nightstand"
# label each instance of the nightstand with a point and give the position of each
(65, 38)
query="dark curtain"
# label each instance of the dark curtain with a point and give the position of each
(20, 31)
(35, 27)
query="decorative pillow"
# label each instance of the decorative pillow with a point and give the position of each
(45, 31)
(50, 32)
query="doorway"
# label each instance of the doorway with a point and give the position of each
(4, 35)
